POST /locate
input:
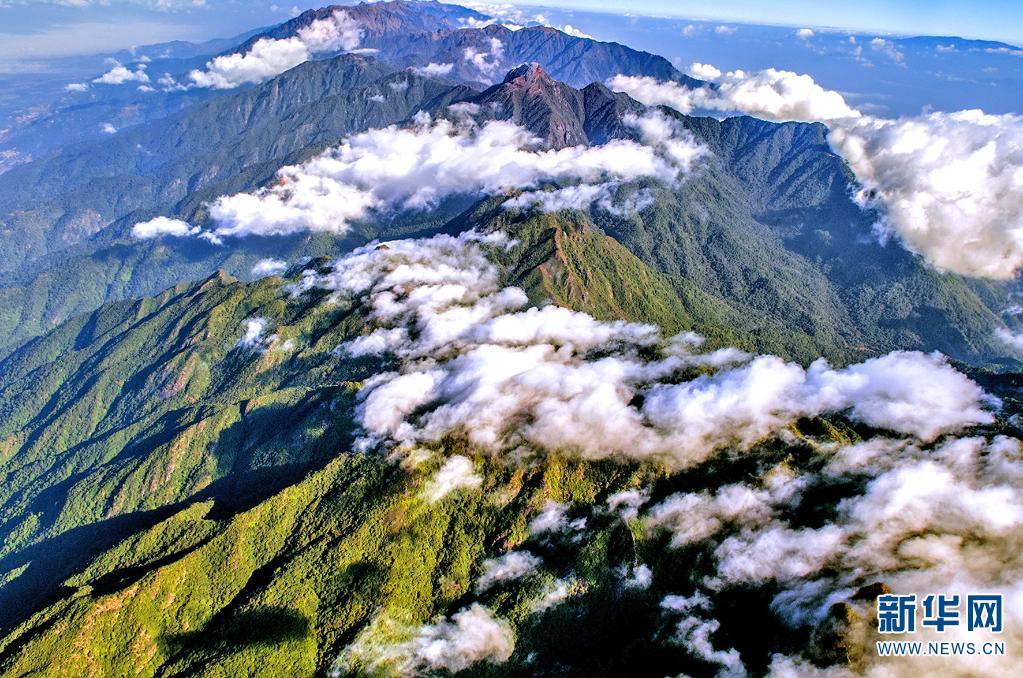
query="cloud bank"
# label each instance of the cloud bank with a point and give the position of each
(268, 58)
(415, 167)
(948, 185)
(928, 520)
(472, 358)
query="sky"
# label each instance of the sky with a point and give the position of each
(44, 28)
(988, 19)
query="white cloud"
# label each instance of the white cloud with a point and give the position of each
(513, 18)
(267, 57)
(473, 359)
(554, 519)
(432, 70)
(888, 48)
(107, 128)
(569, 29)
(704, 71)
(509, 567)
(415, 167)
(76, 87)
(627, 502)
(945, 518)
(949, 185)
(488, 63)
(120, 74)
(265, 267)
(771, 94)
(255, 328)
(162, 226)
(470, 636)
(804, 33)
(640, 577)
(1013, 340)
(694, 633)
(725, 30)
(457, 473)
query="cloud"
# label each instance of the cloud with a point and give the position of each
(694, 633)
(415, 167)
(120, 74)
(1013, 340)
(513, 18)
(432, 70)
(488, 63)
(889, 49)
(265, 267)
(76, 87)
(268, 58)
(472, 359)
(569, 29)
(725, 30)
(470, 636)
(511, 566)
(640, 577)
(107, 128)
(770, 94)
(948, 185)
(804, 33)
(941, 518)
(553, 519)
(627, 502)
(457, 473)
(160, 226)
(255, 328)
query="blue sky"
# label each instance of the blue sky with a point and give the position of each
(40, 28)
(990, 19)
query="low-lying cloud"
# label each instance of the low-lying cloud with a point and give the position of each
(469, 636)
(268, 57)
(945, 519)
(416, 167)
(948, 185)
(120, 74)
(473, 358)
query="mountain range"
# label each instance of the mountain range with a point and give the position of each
(194, 480)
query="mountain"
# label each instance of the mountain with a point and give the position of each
(471, 436)
(179, 501)
(38, 114)
(559, 114)
(765, 233)
(481, 55)
(381, 22)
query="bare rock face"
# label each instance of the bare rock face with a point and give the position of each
(557, 113)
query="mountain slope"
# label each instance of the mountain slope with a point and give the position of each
(764, 227)
(482, 55)
(178, 501)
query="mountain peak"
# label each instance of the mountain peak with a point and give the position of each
(528, 73)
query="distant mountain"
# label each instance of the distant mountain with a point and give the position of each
(765, 235)
(381, 21)
(41, 115)
(573, 60)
